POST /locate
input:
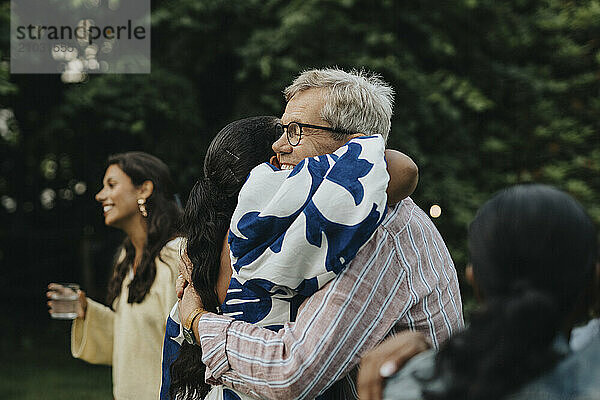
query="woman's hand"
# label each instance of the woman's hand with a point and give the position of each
(384, 360)
(185, 267)
(404, 176)
(82, 299)
(189, 301)
(185, 274)
(180, 284)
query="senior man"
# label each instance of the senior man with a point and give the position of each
(402, 278)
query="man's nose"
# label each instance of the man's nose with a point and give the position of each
(282, 145)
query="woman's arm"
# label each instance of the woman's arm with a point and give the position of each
(404, 175)
(92, 337)
(93, 331)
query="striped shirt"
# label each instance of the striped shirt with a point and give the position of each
(402, 278)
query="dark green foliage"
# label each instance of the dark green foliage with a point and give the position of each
(488, 94)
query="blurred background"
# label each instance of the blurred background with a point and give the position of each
(488, 94)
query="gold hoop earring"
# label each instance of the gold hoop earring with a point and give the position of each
(142, 207)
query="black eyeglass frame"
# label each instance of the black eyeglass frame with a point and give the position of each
(300, 125)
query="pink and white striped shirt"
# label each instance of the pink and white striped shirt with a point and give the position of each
(402, 278)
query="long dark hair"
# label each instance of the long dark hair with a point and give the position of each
(162, 221)
(533, 250)
(237, 148)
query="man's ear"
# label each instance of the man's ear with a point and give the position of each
(146, 189)
(348, 138)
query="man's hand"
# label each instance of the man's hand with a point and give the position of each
(385, 359)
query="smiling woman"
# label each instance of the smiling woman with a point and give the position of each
(137, 198)
(119, 198)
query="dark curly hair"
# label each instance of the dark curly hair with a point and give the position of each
(162, 221)
(533, 250)
(235, 150)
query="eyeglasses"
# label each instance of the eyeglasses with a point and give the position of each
(294, 131)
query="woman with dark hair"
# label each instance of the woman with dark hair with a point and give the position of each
(138, 198)
(235, 150)
(533, 255)
(234, 153)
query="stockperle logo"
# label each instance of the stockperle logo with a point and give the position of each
(75, 38)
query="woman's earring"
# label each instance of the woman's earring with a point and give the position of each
(142, 207)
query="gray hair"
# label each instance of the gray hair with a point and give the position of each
(355, 102)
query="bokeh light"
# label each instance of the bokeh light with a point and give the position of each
(9, 204)
(80, 188)
(47, 198)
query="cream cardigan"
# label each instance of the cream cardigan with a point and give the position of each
(131, 337)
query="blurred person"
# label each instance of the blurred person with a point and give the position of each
(533, 250)
(583, 334)
(233, 154)
(235, 150)
(402, 278)
(137, 197)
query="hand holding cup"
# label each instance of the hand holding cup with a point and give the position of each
(66, 301)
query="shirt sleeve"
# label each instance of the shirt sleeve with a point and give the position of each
(92, 337)
(334, 327)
